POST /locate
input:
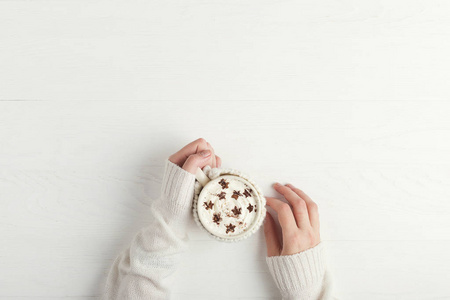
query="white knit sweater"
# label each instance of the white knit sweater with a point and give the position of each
(145, 269)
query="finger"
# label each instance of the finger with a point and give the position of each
(272, 239)
(198, 160)
(298, 205)
(218, 161)
(285, 215)
(313, 209)
(213, 156)
(180, 157)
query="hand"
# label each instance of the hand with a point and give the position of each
(299, 224)
(198, 153)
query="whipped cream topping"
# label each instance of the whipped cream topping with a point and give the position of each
(228, 205)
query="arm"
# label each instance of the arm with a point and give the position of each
(297, 262)
(302, 275)
(145, 269)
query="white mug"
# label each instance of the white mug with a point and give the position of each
(199, 197)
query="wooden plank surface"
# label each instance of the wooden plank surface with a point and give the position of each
(347, 100)
(225, 50)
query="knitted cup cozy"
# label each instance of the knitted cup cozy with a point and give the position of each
(213, 173)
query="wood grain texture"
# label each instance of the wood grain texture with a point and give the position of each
(225, 50)
(346, 99)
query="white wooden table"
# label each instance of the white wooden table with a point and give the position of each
(346, 99)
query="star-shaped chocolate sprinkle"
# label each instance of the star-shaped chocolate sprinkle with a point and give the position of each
(221, 195)
(236, 211)
(230, 227)
(250, 207)
(223, 183)
(236, 194)
(247, 193)
(208, 205)
(217, 218)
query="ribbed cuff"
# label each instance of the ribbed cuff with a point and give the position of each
(177, 190)
(299, 275)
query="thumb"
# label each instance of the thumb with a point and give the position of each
(272, 240)
(197, 160)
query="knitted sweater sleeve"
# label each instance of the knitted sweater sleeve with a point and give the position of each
(145, 269)
(301, 276)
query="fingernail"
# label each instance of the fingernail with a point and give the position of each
(276, 184)
(205, 153)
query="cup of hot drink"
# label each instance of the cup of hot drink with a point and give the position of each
(228, 204)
